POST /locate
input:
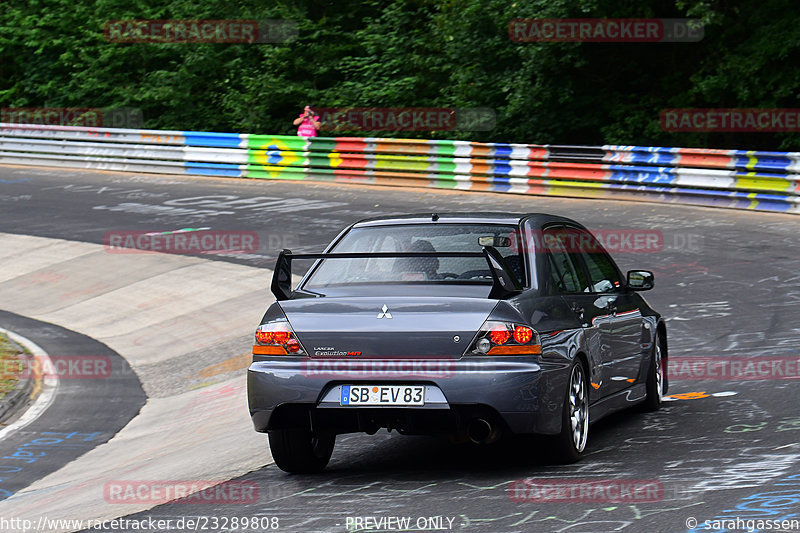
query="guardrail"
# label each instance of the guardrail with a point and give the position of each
(763, 181)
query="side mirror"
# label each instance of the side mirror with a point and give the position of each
(640, 280)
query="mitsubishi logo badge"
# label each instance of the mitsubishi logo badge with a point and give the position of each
(384, 312)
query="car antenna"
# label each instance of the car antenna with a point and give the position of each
(434, 217)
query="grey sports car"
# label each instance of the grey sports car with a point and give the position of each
(470, 325)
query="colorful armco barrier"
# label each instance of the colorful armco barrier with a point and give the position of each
(762, 181)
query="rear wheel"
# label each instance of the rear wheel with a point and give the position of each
(299, 451)
(571, 442)
(655, 379)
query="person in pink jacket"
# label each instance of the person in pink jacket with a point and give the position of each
(308, 123)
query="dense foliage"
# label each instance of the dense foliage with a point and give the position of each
(412, 53)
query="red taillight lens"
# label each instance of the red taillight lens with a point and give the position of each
(292, 346)
(499, 335)
(263, 337)
(281, 337)
(523, 335)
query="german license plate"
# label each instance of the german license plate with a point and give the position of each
(382, 395)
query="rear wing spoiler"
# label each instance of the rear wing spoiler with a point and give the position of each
(504, 283)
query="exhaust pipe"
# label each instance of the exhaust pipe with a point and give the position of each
(481, 431)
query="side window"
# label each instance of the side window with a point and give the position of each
(566, 271)
(563, 276)
(602, 272)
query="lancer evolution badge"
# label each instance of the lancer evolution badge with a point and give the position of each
(384, 312)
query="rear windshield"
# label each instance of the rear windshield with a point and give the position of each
(419, 238)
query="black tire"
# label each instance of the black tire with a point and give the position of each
(570, 444)
(299, 451)
(656, 378)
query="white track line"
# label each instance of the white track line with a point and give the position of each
(49, 385)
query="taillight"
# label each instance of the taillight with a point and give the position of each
(505, 338)
(499, 334)
(281, 337)
(263, 337)
(523, 334)
(292, 346)
(277, 338)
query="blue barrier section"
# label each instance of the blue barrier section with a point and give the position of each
(213, 169)
(212, 140)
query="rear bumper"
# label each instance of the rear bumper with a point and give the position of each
(523, 393)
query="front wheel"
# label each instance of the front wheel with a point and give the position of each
(571, 442)
(300, 451)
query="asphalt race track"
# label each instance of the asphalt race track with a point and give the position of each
(721, 449)
(86, 414)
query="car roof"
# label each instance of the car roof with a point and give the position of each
(463, 218)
